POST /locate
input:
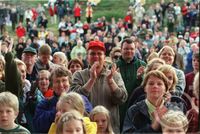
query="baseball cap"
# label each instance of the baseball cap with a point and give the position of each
(96, 44)
(30, 50)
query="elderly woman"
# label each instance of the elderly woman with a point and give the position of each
(60, 58)
(168, 55)
(140, 117)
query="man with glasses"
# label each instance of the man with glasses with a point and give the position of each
(101, 85)
(131, 70)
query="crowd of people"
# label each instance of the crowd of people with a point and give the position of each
(136, 74)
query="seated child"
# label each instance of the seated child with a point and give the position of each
(72, 101)
(174, 122)
(9, 109)
(101, 116)
(71, 122)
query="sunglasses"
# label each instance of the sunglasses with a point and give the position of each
(116, 57)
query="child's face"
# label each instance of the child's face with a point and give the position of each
(61, 108)
(73, 127)
(7, 117)
(173, 131)
(102, 122)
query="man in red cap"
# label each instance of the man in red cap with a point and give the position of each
(101, 85)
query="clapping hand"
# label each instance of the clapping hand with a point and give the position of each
(112, 71)
(93, 70)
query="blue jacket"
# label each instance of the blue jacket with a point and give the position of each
(46, 110)
(45, 114)
(137, 120)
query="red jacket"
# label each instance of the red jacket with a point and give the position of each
(77, 11)
(184, 10)
(20, 32)
(127, 18)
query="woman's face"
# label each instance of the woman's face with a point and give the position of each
(56, 59)
(22, 70)
(102, 122)
(75, 67)
(170, 78)
(167, 56)
(154, 88)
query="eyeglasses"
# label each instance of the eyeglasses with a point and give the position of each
(116, 57)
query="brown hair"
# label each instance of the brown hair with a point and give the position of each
(44, 49)
(61, 71)
(75, 60)
(157, 74)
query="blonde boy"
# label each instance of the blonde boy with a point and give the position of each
(9, 109)
(174, 122)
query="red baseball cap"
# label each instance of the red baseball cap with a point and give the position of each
(96, 44)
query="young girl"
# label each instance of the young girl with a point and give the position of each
(71, 122)
(72, 101)
(101, 116)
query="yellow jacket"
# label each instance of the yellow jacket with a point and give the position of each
(91, 127)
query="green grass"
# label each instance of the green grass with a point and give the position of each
(107, 8)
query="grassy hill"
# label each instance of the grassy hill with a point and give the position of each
(107, 8)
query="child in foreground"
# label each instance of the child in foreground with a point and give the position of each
(174, 122)
(71, 122)
(9, 109)
(101, 116)
(72, 101)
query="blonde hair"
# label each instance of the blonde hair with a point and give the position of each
(174, 119)
(75, 100)
(170, 69)
(157, 74)
(10, 100)
(67, 117)
(102, 110)
(62, 57)
(196, 85)
(152, 63)
(20, 63)
(168, 48)
(44, 72)
(152, 56)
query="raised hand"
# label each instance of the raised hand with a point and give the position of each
(140, 71)
(93, 70)
(112, 71)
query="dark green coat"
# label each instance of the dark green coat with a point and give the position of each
(128, 72)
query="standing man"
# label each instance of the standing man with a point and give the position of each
(29, 58)
(102, 86)
(131, 70)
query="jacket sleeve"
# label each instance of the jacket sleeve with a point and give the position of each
(13, 82)
(44, 116)
(180, 86)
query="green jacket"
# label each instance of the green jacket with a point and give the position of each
(129, 73)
